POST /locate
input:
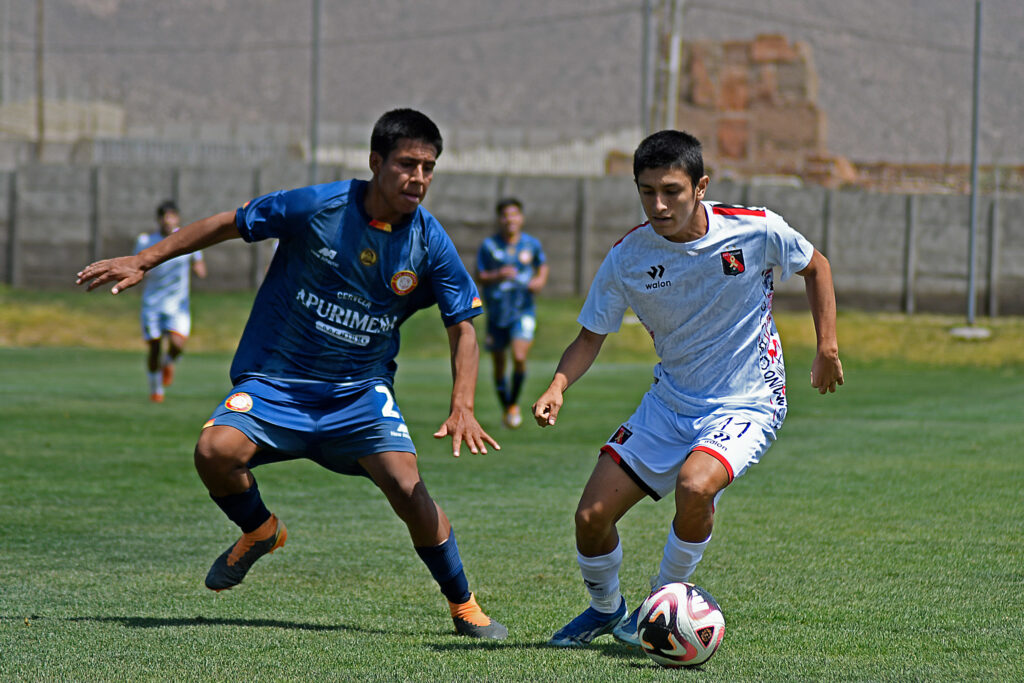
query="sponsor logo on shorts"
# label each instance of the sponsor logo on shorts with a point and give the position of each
(368, 257)
(621, 435)
(732, 262)
(403, 282)
(240, 402)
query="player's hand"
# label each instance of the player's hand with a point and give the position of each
(462, 426)
(826, 373)
(124, 271)
(508, 272)
(545, 410)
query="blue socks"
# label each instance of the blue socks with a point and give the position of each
(245, 509)
(445, 566)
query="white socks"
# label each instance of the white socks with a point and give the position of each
(601, 577)
(680, 558)
(156, 382)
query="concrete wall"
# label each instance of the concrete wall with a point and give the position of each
(888, 252)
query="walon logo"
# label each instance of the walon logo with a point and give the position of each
(657, 273)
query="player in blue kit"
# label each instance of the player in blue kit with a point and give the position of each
(699, 276)
(314, 370)
(165, 303)
(512, 267)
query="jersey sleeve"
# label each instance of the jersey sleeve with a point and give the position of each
(277, 215)
(786, 248)
(140, 243)
(452, 286)
(539, 257)
(606, 301)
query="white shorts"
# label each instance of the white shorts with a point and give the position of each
(155, 323)
(653, 444)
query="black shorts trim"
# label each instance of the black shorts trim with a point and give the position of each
(607, 448)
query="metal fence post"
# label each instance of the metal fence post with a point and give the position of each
(910, 254)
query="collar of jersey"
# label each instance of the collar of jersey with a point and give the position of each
(361, 186)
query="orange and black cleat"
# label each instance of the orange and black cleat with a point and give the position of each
(471, 621)
(230, 568)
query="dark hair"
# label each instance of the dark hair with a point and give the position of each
(403, 123)
(166, 206)
(506, 202)
(670, 149)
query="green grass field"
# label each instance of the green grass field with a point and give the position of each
(880, 539)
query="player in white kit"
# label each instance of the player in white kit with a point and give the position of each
(166, 312)
(699, 276)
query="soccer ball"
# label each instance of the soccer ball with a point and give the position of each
(680, 624)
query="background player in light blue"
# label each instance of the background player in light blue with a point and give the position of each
(166, 313)
(314, 371)
(511, 267)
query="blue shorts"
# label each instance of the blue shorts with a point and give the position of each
(499, 338)
(334, 425)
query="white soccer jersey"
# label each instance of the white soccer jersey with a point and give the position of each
(707, 304)
(166, 287)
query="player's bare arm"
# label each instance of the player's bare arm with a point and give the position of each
(127, 271)
(538, 281)
(575, 362)
(827, 370)
(462, 424)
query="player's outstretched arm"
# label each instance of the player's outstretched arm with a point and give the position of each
(127, 271)
(461, 424)
(576, 360)
(827, 370)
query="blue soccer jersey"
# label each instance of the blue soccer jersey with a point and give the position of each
(340, 284)
(508, 300)
(166, 287)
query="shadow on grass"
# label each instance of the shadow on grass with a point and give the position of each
(611, 650)
(161, 622)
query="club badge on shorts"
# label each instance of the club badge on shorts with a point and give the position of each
(240, 402)
(403, 282)
(621, 435)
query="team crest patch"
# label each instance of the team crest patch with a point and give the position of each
(403, 282)
(368, 257)
(732, 262)
(240, 402)
(525, 257)
(621, 435)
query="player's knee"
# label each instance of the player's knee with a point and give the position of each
(592, 520)
(696, 486)
(216, 452)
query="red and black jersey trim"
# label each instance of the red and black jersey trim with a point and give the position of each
(607, 448)
(727, 210)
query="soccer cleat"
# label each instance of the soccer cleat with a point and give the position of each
(167, 376)
(156, 398)
(625, 632)
(230, 568)
(513, 418)
(471, 621)
(587, 626)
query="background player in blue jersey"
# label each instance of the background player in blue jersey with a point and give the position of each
(511, 267)
(699, 276)
(313, 374)
(165, 302)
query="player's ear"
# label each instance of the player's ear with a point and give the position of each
(702, 187)
(376, 161)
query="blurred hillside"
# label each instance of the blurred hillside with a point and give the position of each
(894, 77)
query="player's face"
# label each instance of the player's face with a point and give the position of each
(169, 222)
(400, 182)
(510, 221)
(671, 202)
